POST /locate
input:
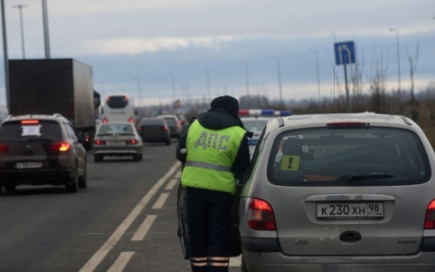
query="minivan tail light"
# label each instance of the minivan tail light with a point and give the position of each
(130, 119)
(260, 215)
(3, 148)
(429, 221)
(60, 147)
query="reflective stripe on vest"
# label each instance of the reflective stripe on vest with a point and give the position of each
(208, 166)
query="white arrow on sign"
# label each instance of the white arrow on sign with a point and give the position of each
(340, 49)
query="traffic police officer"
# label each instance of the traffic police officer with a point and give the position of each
(214, 151)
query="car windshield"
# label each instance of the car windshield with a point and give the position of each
(255, 125)
(364, 156)
(171, 121)
(116, 129)
(22, 132)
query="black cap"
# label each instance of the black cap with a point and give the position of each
(226, 102)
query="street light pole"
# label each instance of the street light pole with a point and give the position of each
(279, 79)
(208, 82)
(45, 23)
(398, 54)
(139, 96)
(173, 87)
(20, 8)
(247, 77)
(5, 52)
(317, 72)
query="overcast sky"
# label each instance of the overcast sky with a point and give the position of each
(189, 49)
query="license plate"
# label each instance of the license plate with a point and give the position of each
(356, 210)
(29, 165)
(115, 143)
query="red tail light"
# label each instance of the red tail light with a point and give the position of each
(3, 148)
(165, 128)
(99, 142)
(429, 221)
(105, 120)
(130, 119)
(139, 128)
(260, 215)
(60, 147)
(131, 142)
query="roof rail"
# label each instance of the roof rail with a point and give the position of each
(406, 120)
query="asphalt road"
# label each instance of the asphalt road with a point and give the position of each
(124, 221)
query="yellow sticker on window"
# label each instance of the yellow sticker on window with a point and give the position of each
(290, 163)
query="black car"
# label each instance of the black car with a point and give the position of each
(41, 150)
(154, 130)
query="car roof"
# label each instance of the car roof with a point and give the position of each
(56, 116)
(167, 115)
(117, 123)
(369, 118)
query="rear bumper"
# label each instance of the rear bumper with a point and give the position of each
(278, 262)
(117, 151)
(43, 176)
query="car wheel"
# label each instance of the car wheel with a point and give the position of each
(10, 188)
(98, 158)
(83, 180)
(73, 182)
(168, 142)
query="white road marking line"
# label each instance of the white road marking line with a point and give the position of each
(178, 175)
(160, 201)
(172, 184)
(99, 255)
(144, 228)
(121, 261)
(236, 261)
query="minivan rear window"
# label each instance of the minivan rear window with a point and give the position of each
(18, 131)
(348, 156)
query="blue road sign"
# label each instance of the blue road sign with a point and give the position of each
(344, 52)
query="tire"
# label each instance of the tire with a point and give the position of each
(9, 188)
(98, 158)
(83, 180)
(168, 142)
(73, 182)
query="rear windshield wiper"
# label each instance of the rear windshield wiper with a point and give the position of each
(362, 177)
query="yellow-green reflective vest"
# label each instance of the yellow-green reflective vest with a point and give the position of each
(210, 155)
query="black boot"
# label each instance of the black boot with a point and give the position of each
(217, 268)
(199, 268)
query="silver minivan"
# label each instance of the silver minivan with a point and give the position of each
(340, 192)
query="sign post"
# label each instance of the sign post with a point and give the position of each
(345, 54)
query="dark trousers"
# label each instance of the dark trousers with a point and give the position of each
(209, 222)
